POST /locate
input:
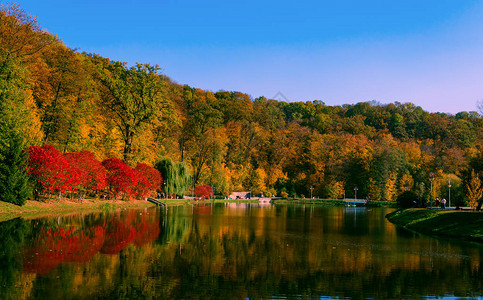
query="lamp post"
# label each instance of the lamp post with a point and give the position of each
(355, 193)
(311, 189)
(449, 193)
(431, 195)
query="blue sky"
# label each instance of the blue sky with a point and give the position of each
(342, 51)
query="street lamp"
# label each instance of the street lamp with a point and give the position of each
(311, 189)
(355, 193)
(431, 195)
(449, 193)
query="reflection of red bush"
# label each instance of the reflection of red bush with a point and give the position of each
(49, 249)
(118, 236)
(202, 210)
(146, 232)
(90, 242)
(53, 246)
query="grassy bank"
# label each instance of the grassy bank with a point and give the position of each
(330, 202)
(467, 225)
(35, 209)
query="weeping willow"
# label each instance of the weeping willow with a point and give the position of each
(176, 176)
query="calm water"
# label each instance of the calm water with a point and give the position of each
(232, 252)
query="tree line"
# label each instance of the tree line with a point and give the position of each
(55, 95)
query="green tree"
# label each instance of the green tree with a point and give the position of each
(134, 96)
(176, 176)
(203, 134)
(14, 180)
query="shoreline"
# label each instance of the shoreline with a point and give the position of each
(37, 209)
(455, 224)
(332, 202)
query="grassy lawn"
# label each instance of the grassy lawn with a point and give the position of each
(466, 225)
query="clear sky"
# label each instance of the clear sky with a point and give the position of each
(429, 52)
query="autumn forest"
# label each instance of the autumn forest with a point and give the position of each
(72, 101)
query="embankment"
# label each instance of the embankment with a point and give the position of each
(465, 225)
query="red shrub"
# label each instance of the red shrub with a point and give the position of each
(149, 180)
(143, 187)
(92, 173)
(120, 177)
(51, 171)
(204, 191)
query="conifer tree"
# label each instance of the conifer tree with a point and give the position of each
(14, 180)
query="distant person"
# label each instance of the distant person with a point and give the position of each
(443, 203)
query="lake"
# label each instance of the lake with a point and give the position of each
(232, 251)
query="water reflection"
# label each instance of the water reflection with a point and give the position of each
(231, 251)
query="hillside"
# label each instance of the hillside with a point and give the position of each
(80, 101)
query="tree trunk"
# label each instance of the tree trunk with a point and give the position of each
(127, 147)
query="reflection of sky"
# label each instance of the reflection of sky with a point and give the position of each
(426, 52)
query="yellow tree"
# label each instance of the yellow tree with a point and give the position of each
(406, 183)
(475, 189)
(390, 187)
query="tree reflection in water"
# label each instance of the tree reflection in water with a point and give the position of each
(236, 251)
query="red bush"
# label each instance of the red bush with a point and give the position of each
(204, 191)
(143, 187)
(149, 180)
(120, 178)
(92, 173)
(51, 171)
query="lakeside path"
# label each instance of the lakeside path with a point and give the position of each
(463, 225)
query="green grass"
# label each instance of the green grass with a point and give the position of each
(466, 225)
